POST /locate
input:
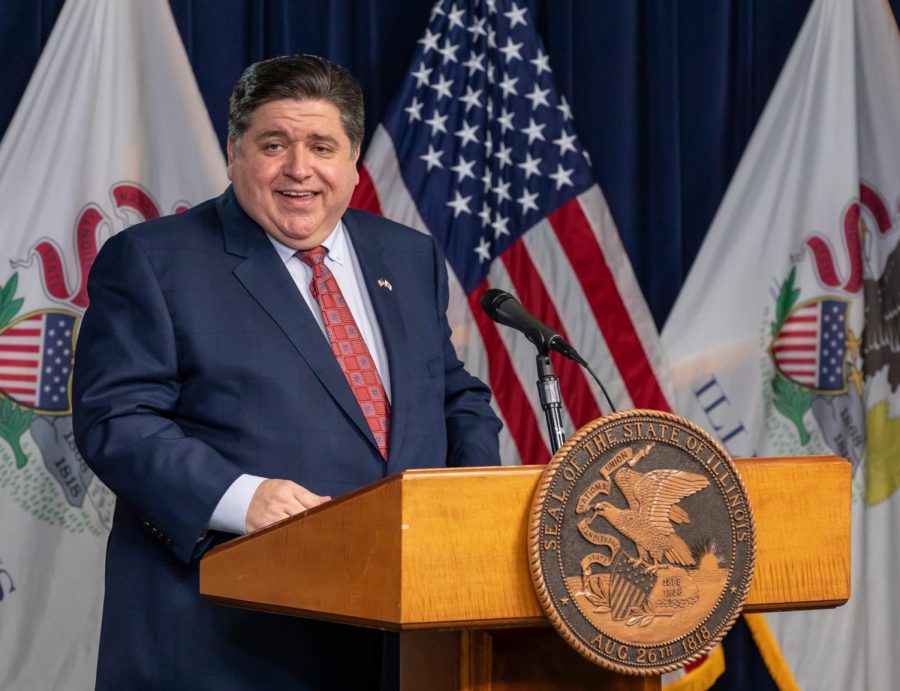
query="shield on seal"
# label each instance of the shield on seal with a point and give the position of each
(629, 587)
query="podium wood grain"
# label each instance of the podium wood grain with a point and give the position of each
(446, 549)
(439, 555)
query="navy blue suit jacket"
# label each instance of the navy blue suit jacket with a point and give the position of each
(197, 361)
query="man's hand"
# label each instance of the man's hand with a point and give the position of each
(275, 500)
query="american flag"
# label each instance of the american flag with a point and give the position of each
(36, 360)
(478, 149)
(811, 345)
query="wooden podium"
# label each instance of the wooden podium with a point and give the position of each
(439, 556)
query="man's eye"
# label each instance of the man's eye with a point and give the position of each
(322, 149)
(273, 146)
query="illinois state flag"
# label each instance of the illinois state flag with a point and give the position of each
(785, 339)
(111, 131)
(478, 149)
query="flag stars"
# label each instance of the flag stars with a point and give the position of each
(476, 28)
(541, 62)
(491, 37)
(566, 142)
(564, 108)
(538, 97)
(442, 87)
(414, 109)
(534, 131)
(483, 250)
(436, 122)
(562, 177)
(449, 51)
(485, 213)
(422, 75)
(503, 155)
(506, 120)
(475, 63)
(501, 190)
(530, 166)
(511, 51)
(460, 204)
(463, 169)
(429, 41)
(516, 16)
(471, 99)
(508, 86)
(527, 201)
(500, 226)
(455, 17)
(433, 158)
(486, 180)
(467, 133)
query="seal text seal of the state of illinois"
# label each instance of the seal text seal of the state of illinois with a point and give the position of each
(641, 542)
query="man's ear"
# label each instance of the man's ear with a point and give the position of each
(229, 157)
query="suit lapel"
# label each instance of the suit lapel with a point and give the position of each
(371, 255)
(265, 277)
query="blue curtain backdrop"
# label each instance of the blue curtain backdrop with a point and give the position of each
(665, 95)
(665, 92)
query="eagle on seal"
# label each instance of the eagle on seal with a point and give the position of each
(881, 335)
(648, 520)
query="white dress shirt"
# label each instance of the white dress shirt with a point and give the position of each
(230, 514)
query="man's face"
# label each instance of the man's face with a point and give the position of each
(294, 170)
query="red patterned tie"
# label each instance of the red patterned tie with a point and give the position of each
(349, 347)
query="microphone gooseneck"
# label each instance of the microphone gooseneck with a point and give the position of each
(504, 309)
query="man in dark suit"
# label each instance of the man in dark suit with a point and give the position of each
(250, 359)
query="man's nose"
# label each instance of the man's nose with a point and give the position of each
(297, 163)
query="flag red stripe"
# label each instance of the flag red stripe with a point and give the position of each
(364, 196)
(532, 292)
(790, 333)
(797, 361)
(19, 348)
(18, 363)
(508, 393)
(580, 245)
(18, 331)
(15, 390)
(18, 377)
(805, 319)
(782, 348)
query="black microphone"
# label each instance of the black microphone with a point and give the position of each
(504, 309)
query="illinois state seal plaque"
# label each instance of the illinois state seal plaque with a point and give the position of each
(641, 542)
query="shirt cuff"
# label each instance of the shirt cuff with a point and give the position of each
(230, 515)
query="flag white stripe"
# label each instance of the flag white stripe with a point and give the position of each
(578, 320)
(597, 213)
(522, 352)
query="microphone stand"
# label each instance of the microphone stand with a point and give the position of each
(551, 399)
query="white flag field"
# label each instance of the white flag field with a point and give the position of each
(785, 339)
(111, 131)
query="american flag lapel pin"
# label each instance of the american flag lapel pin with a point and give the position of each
(384, 283)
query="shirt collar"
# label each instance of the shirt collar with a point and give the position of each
(335, 243)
